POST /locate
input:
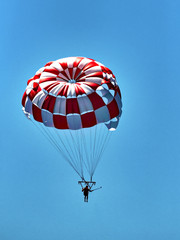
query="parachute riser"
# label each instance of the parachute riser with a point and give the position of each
(90, 184)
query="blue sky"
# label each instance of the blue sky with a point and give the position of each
(139, 172)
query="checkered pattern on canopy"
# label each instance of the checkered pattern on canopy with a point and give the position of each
(73, 93)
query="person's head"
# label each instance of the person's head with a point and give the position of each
(86, 186)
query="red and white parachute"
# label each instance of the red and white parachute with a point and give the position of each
(75, 98)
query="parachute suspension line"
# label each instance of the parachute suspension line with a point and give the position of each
(77, 144)
(90, 152)
(94, 141)
(53, 143)
(104, 144)
(91, 136)
(69, 156)
(86, 152)
(83, 162)
(92, 146)
(106, 141)
(41, 131)
(97, 134)
(61, 150)
(95, 147)
(75, 137)
(48, 132)
(99, 142)
(81, 150)
(74, 152)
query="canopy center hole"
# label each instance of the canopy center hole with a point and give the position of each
(72, 81)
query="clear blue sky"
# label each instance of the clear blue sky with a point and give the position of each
(140, 173)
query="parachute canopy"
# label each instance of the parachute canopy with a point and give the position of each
(74, 93)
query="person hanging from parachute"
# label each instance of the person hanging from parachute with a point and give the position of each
(87, 188)
(75, 102)
(86, 191)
